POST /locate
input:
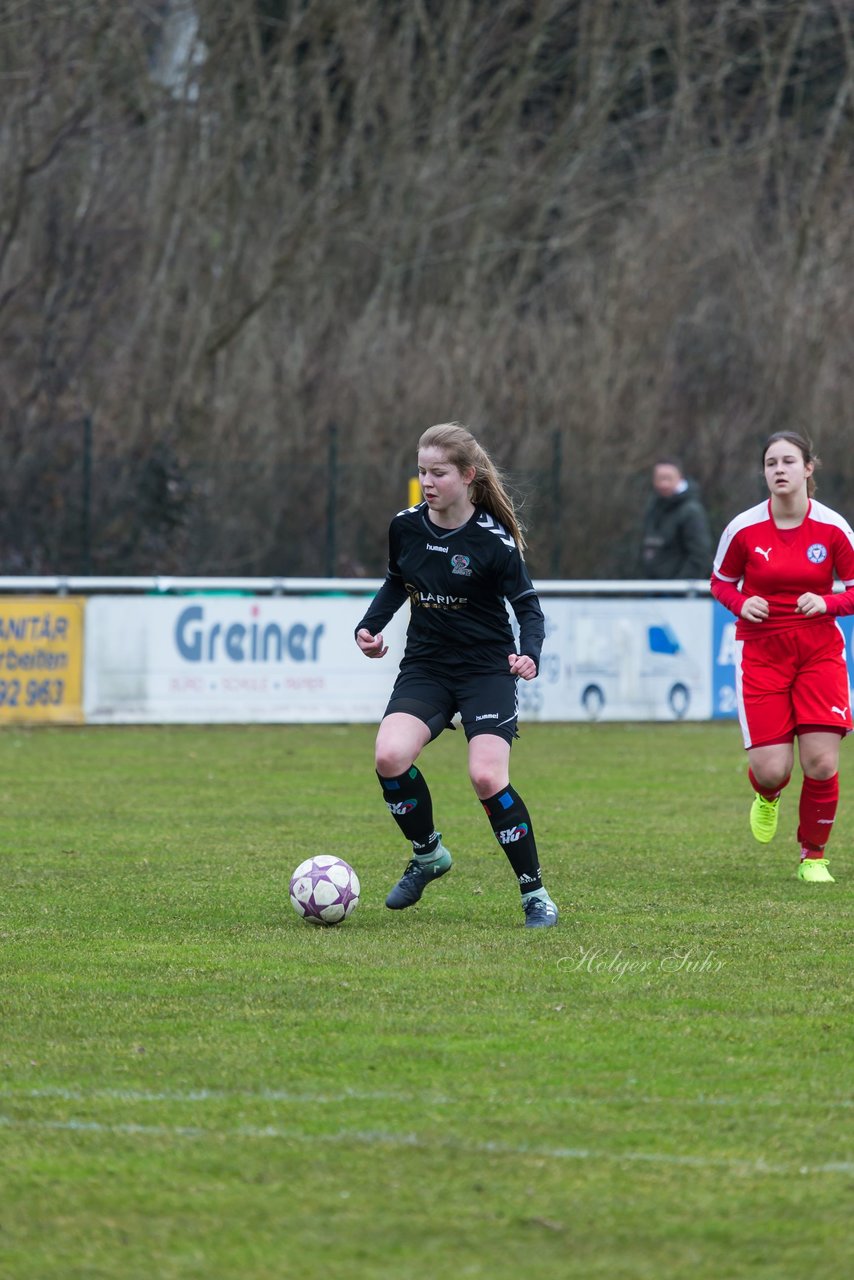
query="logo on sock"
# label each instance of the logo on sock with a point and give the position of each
(511, 834)
(401, 806)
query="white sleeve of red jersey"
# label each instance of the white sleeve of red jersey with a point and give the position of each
(730, 557)
(839, 603)
(726, 574)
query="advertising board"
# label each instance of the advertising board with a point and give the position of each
(41, 650)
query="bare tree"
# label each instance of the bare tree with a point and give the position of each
(253, 240)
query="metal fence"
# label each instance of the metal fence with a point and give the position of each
(71, 505)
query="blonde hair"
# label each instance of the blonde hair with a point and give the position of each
(488, 489)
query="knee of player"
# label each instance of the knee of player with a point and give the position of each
(390, 761)
(772, 777)
(821, 767)
(487, 781)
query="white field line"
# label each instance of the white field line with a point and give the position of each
(425, 1099)
(378, 1138)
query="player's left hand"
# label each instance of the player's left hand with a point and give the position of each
(522, 665)
(811, 605)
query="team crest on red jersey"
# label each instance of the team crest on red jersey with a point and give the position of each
(817, 553)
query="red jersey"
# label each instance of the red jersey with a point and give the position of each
(755, 558)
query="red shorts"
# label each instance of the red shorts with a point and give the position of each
(792, 682)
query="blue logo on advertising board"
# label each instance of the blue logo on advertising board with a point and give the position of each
(200, 641)
(846, 626)
(723, 663)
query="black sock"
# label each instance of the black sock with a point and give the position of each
(410, 804)
(511, 823)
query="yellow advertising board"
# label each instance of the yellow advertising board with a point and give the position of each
(41, 659)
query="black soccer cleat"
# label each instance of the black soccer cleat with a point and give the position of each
(416, 878)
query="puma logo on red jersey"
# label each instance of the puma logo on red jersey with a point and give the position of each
(760, 552)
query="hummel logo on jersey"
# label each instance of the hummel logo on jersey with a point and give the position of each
(492, 715)
(760, 552)
(430, 547)
(840, 711)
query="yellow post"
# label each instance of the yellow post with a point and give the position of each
(415, 495)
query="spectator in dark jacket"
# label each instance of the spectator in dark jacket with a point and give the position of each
(676, 539)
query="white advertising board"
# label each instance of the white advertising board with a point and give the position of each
(209, 659)
(623, 660)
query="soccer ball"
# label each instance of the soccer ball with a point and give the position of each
(324, 890)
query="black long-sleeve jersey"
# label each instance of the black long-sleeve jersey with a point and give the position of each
(456, 581)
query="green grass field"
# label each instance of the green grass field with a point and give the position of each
(195, 1083)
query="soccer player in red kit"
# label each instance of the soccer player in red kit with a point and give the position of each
(775, 569)
(457, 558)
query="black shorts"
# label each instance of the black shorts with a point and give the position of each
(486, 703)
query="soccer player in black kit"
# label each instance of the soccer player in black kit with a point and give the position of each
(456, 557)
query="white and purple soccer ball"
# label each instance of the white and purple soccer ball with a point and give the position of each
(325, 890)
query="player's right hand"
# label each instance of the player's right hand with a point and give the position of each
(371, 646)
(755, 609)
